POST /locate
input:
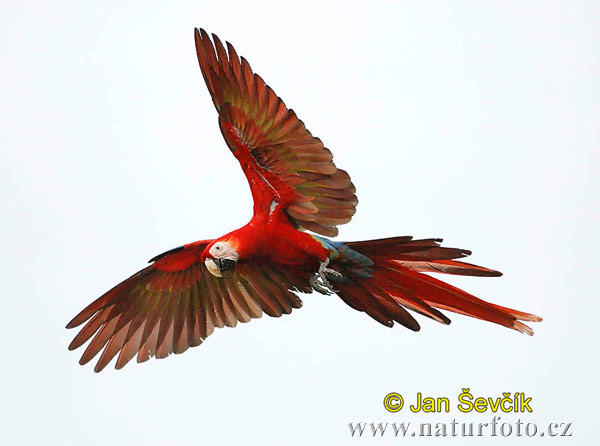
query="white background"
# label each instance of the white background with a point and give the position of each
(473, 121)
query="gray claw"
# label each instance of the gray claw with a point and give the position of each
(319, 281)
(319, 285)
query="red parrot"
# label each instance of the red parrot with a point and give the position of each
(177, 301)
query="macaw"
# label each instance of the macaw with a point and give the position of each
(177, 301)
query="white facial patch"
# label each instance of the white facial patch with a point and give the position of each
(223, 250)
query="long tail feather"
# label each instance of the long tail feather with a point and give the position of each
(396, 280)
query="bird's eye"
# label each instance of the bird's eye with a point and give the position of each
(218, 247)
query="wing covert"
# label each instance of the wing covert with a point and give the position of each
(282, 160)
(176, 303)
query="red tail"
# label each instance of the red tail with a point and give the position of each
(396, 280)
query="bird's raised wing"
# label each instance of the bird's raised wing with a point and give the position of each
(175, 303)
(285, 165)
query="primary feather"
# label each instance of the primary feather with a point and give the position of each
(269, 140)
(177, 302)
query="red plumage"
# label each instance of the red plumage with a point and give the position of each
(177, 301)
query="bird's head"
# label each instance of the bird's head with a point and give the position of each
(220, 257)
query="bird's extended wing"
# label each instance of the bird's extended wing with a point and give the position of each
(283, 162)
(175, 303)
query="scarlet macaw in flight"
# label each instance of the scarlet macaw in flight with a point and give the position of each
(177, 301)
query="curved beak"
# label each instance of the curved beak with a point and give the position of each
(219, 266)
(225, 264)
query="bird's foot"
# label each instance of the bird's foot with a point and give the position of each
(320, 283)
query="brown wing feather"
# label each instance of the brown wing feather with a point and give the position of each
(315, 193)
(175, 304)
